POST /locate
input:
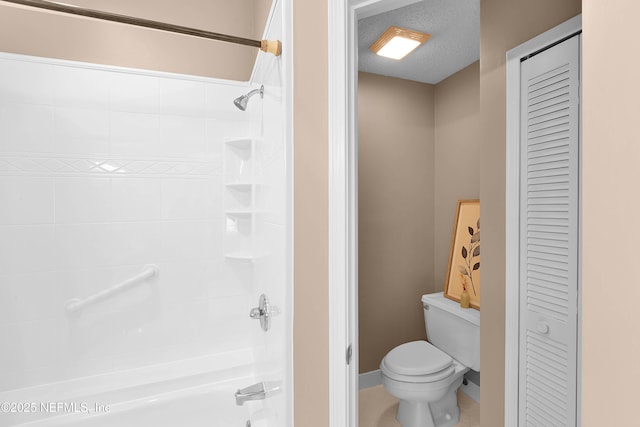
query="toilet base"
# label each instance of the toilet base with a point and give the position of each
(442, 413)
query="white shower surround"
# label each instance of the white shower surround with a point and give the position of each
(104, 170)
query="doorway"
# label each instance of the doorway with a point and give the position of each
(343, 241)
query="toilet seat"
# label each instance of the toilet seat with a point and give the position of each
(417, 362)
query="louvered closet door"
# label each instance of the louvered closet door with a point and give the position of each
(549, 140)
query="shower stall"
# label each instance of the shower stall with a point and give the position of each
(145, 245)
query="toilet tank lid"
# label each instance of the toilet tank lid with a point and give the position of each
(438, 300)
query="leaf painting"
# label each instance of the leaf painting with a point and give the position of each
(463, 272)
(470, 253)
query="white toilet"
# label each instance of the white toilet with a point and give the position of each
(425, 376)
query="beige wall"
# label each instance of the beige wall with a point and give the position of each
(261, 9)
(457, 157)
(504, 24)
(395, 202)
(610, 156)
(42, 33)
(419, 151)
(311, 321)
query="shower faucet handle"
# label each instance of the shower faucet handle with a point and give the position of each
(262, 313)
(257, 391)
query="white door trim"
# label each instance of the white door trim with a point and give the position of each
(343, 202)
(512, 274)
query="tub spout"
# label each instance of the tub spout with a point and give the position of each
(257, 391)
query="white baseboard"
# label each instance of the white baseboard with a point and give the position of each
(369, 379)
(472, 390)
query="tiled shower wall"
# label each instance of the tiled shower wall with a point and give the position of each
(103, 171)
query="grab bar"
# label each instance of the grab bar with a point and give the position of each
(76, 304)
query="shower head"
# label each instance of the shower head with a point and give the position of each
(241, 102)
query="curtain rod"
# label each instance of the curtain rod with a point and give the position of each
(270, 46)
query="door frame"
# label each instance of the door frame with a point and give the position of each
(512, 273)
(343, 200)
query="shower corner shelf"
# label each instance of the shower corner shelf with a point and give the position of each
(239, 214)
(241, 143)
(243, 186)
(239, 186)
(245, 257)
(245, 194)
(243, 213)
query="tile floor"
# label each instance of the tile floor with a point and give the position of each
(378, 409)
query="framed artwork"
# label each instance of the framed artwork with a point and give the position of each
(464, 257)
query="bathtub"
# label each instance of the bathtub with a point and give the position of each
(193, 393)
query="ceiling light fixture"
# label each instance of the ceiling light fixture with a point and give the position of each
(396, 43)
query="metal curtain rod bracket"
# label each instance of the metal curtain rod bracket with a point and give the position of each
(270, 46)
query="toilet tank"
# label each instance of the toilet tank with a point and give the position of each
(453, 329)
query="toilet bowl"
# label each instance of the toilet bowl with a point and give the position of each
(425, 381)
(423, 376)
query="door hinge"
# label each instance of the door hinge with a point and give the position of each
(349, 354)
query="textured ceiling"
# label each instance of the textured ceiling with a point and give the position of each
(454, 26)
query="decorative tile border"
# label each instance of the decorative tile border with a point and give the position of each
(109, 166)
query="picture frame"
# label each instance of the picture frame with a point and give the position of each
(464, 255)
